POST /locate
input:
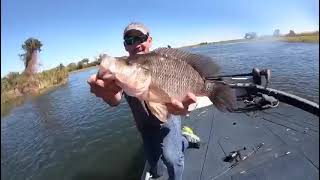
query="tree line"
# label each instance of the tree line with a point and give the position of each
(276, 33)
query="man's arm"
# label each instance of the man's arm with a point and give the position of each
(105, 89)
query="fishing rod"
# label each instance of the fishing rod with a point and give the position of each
(238, 160)
(256, 75)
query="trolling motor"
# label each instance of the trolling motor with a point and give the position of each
(241, 82)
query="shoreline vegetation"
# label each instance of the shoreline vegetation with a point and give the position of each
(307, 37)
(16, 86)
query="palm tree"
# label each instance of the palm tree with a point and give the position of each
(31, 47)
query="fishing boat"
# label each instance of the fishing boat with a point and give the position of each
(270, 135)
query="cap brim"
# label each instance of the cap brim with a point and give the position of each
(136, 29)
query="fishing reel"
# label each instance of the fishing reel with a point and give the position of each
(234, 156)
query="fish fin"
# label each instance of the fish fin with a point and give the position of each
(157, 94)
(203, 64)
(223, 97)
(159, 110)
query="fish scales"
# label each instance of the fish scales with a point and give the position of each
(174, 76)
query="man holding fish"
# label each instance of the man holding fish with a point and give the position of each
(159, 86)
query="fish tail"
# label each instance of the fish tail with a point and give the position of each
(221, 95)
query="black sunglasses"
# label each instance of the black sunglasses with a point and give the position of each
(135, 39)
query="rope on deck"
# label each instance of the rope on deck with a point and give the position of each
(205, 157)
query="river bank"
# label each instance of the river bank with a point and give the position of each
(15, 88)
(302, 37)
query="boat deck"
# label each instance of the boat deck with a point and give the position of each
(288, 138)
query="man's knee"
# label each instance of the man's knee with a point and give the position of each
(173, 158)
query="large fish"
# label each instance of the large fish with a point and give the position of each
(165, 74)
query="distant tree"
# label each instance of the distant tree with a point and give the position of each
(99, 58)
(31, 47)
(13, 75)
(72, 67)
(250, 35)
(5, 85)
(85, 61)
(12, 78)
(203, 43)
(80, 65)
(291, 33)
(61, 66)
(276, 33)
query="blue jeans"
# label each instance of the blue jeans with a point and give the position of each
(165, 146)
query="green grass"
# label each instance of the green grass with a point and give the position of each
(305, 38)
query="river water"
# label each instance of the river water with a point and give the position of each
(67, 133)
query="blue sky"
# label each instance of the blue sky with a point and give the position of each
(71, 30)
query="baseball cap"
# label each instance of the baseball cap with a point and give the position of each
(136, 26)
